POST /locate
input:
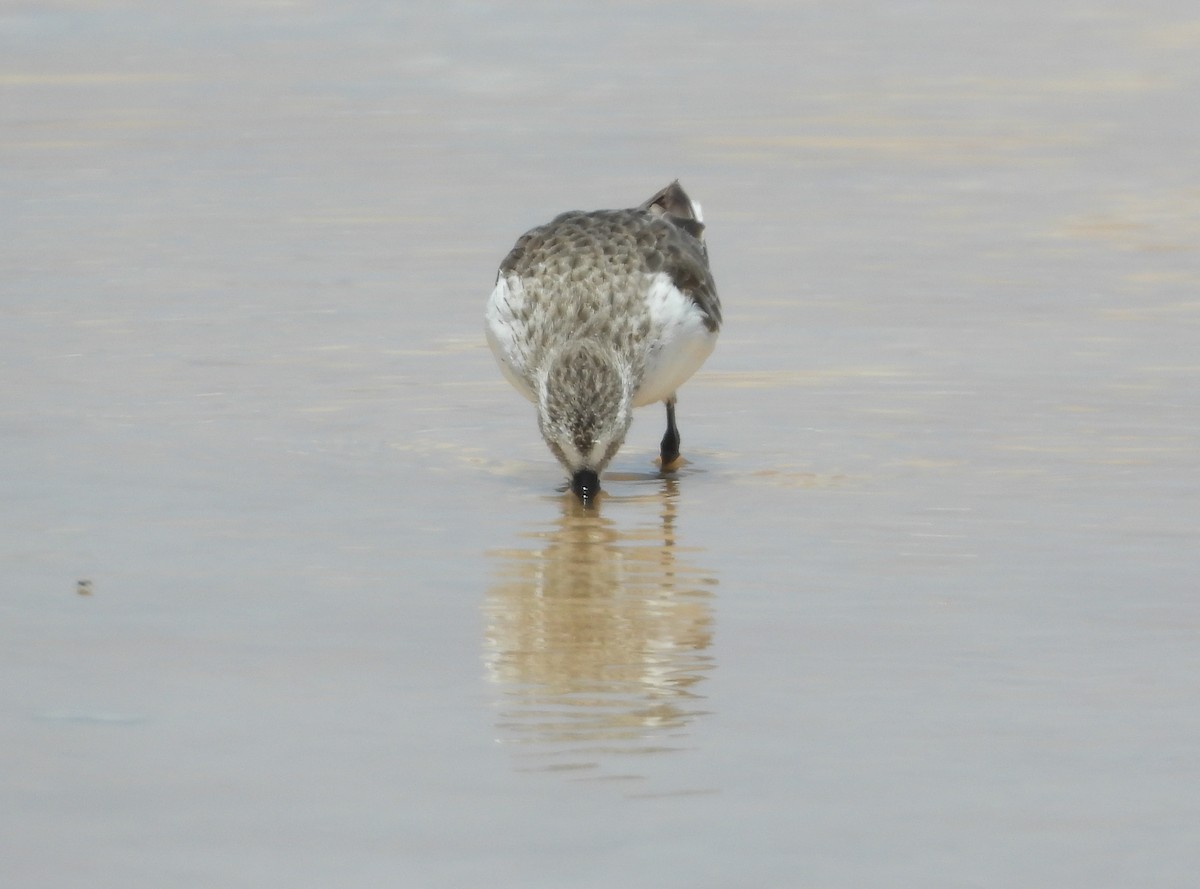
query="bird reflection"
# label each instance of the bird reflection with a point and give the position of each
(597, 635)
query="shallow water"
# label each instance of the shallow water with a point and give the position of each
(921, 609)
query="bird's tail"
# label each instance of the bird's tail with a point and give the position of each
(674, 203)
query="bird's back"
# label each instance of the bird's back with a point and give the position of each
(593, 274)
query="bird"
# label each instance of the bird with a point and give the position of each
(599, 312)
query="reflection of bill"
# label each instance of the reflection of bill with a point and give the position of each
(597, 637)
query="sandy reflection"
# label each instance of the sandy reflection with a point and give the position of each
(597, 635)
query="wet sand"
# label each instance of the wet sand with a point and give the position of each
(291, 593)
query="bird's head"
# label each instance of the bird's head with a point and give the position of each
(585, 407)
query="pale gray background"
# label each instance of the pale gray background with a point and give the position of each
(923, 610)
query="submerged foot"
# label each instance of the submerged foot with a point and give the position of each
(669, 459)
(671, 465)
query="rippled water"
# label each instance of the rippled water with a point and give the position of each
(598, 637)
(290, 589)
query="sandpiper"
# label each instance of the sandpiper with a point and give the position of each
(596, 313)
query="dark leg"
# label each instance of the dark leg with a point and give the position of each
(670, 441)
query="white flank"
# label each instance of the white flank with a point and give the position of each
(680, 341)
(503, 306)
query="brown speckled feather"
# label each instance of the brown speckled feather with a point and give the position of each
(583, 248)
(596, 313)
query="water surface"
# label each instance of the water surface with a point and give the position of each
(921, 610)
